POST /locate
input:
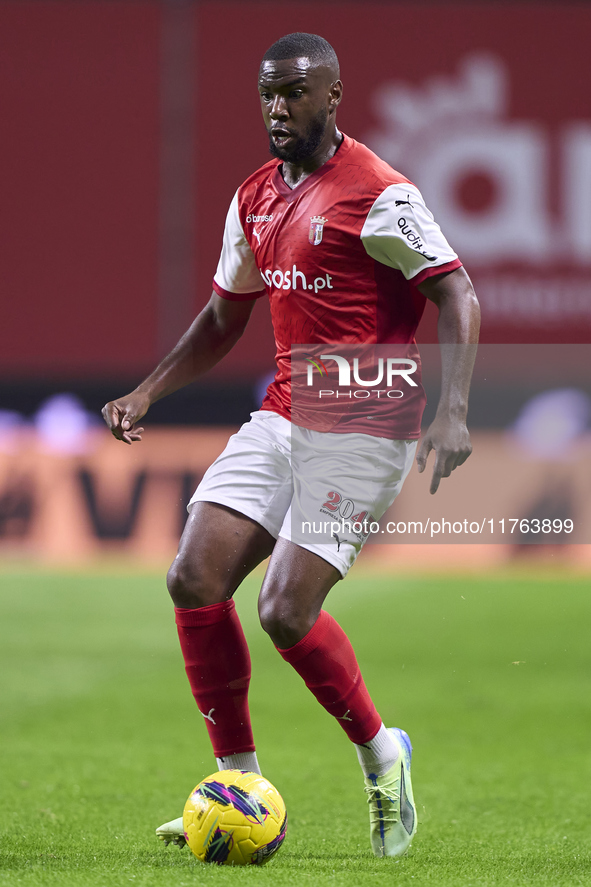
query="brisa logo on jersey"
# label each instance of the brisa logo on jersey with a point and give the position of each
(316, 231)
(252, 218)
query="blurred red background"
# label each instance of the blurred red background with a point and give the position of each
(127, 126)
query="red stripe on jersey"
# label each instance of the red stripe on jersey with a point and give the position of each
(438, 269)
(237, 297)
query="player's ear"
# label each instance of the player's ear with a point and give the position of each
(336, 94)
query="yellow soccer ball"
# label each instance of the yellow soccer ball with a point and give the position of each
(235, 818)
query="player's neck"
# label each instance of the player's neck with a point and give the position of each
(295, 173)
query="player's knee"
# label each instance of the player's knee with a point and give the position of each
(284, 622)
(189, 586)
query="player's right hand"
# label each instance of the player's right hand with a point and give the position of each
(122, 415)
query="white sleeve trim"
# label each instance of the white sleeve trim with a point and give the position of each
(237, 271)
(400, 232)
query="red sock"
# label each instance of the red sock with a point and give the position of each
(324, 658)
(217, 663)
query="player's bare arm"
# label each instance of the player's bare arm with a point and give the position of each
(458, 327)
(210, 337)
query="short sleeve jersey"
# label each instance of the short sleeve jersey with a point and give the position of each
(340, 257)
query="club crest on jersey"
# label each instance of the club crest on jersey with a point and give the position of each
(317, 224)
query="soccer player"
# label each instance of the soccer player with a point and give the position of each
(346, 251)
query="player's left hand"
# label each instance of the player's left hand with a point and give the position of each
(451, 441)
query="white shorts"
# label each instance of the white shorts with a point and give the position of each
(318, 489)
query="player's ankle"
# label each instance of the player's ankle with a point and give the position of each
(241, 761)
(377, 755)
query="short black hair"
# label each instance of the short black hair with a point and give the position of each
(301, 45)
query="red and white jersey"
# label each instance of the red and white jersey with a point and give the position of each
(340, 257)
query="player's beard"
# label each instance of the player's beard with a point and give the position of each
(305, 146)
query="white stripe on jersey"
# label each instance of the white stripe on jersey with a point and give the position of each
(237, 271)
(400, 232)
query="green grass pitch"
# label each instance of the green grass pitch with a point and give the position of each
(101, 740)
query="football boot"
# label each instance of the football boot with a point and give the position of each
(392, 812)
(172, 831)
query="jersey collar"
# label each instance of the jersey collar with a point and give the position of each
(291, 194)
